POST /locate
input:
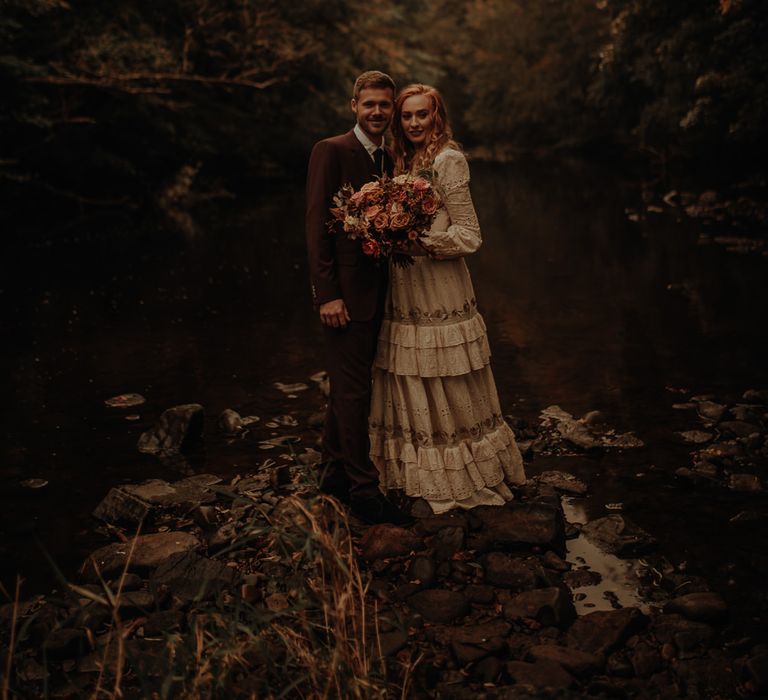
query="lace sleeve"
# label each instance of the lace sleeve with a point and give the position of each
(463, 234)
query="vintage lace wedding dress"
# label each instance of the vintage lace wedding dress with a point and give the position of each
(436, 427)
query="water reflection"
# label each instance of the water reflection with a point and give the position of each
(575, 296)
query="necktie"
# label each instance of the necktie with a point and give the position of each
(378, 159)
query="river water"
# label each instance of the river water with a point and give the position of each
(586, 309)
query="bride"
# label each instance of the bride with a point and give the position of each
(436, 427)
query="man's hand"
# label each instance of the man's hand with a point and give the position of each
(334, 314)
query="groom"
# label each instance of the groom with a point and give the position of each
(348, 288)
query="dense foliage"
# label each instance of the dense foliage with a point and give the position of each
(109, 102)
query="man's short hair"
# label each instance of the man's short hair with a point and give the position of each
(373, 79)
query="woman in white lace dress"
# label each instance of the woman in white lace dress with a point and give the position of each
(436, 427)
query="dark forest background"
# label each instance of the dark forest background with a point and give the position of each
(129, 102)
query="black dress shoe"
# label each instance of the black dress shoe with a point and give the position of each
(378, 509)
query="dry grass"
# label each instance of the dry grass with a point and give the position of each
(322, 643)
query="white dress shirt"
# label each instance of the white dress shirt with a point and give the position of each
(369, 145)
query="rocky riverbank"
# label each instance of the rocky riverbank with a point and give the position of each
(258, 587)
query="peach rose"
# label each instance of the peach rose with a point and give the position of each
(372, 211)
(381, 221)
(400, 220)
(420, 184)
(398, 196)
(357, 197)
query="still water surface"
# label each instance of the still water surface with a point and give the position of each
(575, 296)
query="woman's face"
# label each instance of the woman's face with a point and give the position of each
(416, 119)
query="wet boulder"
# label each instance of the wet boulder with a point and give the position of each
(189, 576)
(505, 571)
(475, 642)
(118, 506)
(579, 663)
(528, 524)
(540, 675)
(143, 553)
(437, 605)
(700, 607)
(549, 606)
(176, 428)
(447, 542)
(603, 631)
(563, 481)
(616, 534)
(383, 541)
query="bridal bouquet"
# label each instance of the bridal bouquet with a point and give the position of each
(386, 214)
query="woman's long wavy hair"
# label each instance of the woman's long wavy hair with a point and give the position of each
(406, 157)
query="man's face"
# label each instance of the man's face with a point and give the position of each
(373, 111)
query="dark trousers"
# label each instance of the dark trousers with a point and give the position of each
(346, 463)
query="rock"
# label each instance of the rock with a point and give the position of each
(230, 421)
(163, 622)
(616, 534)
(563, 481)
(570, 429)
(65, 643)
(422, 571)
(505, 571)
(603, 631)
(739, 428)
(383, 541)
(541, 675)
(125, 401)
(134, 603)
(684, 634)
(447, 542)
(487, 670)
(317, 420)
(481, 595)
(756, 396)
(554, 562)
(480, 634)
(189, 576)
(645, 660)
(701, 607)
(432, 524)
(531, 524)
(475, 642)
(440, 605)
(549, 606)
(745, 482)
(149, 552)
(294, 388)
(581, 578)
(710, 410)
(579, 663)
(176, 428)
(121, 507)
(129, 582)
(469, 653)
(706, 470)
(392, 642)
(755, 674)
(722, 452)
(696, 436)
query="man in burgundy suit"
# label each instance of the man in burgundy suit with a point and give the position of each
(348, 287)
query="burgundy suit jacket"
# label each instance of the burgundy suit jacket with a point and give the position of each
(338, 267)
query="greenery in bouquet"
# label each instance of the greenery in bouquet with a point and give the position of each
(389, 214)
